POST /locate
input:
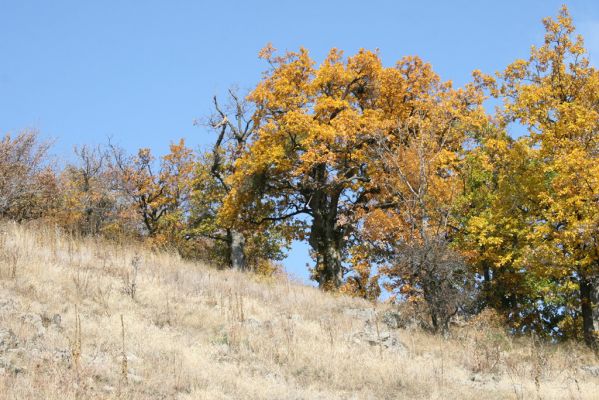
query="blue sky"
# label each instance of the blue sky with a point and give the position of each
(143, 71)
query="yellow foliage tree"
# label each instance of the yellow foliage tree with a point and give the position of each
(555, 94)
(319, 132)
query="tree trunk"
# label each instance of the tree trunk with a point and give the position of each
(326, 236)
(437, 310)
(589, 307)
(326, 241)
(487, 292)
(328, 266)
(236, 242)
(434, 321)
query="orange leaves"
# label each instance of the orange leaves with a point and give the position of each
(267, 52)
(286, 85)
(397, 156)
(363, 281)
(353, 141)
(159, 197)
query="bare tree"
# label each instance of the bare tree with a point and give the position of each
(234, 126)
(26, 178)
(88, 181)
(439, 275)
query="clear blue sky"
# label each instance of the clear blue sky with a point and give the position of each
(142, 71)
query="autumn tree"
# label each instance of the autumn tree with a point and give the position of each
(235, 245)
(306, 168)
(28, 185)
(89, 199)
(411, 221)
(159, 194)
(499, 206)
(554, 94)
(362, 280)
(315, 159)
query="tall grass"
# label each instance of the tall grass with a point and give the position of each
(145, 325)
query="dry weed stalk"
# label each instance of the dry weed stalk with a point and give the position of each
(326, 324)
(124, 365)
(168, 312)
(289, 331)
(76, 348)
(378, 331)
(10, 255)
(519, 394)
(539, 362)
(124, 373)
(131, 279)
(81, 279)
(239, 302)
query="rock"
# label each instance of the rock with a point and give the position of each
(101, 363)
(107, 389)
(363, 314)
(294, 317)
(17, 370)
(252, 323)
(591, 369)
(35, 321)
(48, 321)
(7, 305)
(60, 355)
(10, 363)
(134, 378)
(480, 378)
(132, 358)
(8, 340)
(382, 338)
(393, 320)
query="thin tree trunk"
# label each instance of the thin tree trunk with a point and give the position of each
(434, 321)
(589, 307)
(489, 295)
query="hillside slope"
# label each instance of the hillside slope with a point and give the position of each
(191, 332)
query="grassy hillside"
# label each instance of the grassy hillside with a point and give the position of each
(191, 332)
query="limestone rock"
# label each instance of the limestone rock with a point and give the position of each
(393, 320)
(362, 314)
(35, 321)
(383, 338)
(591, 370)
(8, 340)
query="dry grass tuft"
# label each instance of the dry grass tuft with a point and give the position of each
(85, 319)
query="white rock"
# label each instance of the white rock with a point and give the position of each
(591, 369)
(8, 340)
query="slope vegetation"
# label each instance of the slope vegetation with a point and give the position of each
(81, 318)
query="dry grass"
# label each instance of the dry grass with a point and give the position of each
(85, 319)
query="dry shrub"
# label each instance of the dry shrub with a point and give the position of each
(28, 185)
(485, 339)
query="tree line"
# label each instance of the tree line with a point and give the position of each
(395, 178)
